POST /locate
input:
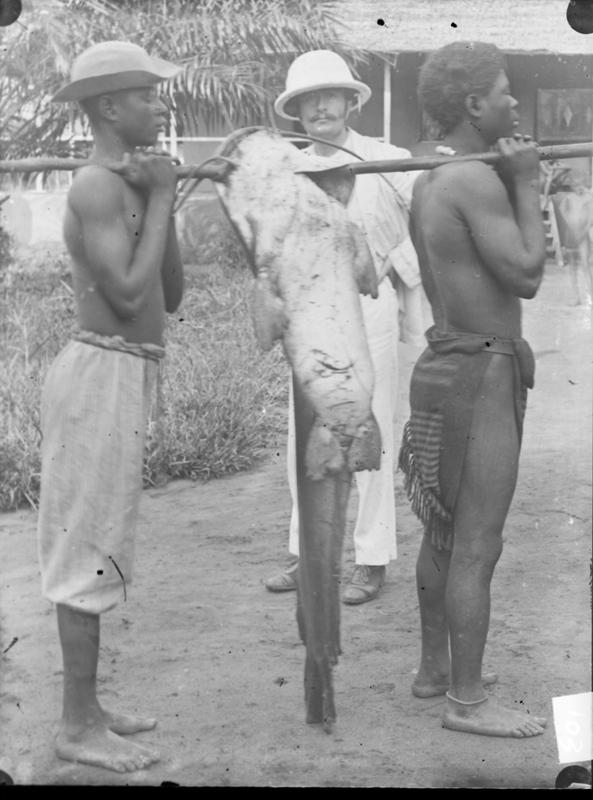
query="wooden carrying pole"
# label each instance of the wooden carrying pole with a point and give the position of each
(549, 153)
(213, 171)
(217, 171)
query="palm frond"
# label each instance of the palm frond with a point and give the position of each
(234, 55)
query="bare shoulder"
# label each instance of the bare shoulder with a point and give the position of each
(96, 192)
(472, 176)
(421, 183)
(469, 186)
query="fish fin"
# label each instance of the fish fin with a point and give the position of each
(365, 451)
(364, 267)
(269, 318)
(323, 455)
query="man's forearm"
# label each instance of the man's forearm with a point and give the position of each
(172, 270)
(145, 267)
(530, 223)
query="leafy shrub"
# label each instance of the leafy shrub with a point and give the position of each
(220, 402)
(6, 250)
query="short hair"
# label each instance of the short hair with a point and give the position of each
(292, 106)
(90, 106)
(453, 72)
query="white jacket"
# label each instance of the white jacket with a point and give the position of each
(384, 203)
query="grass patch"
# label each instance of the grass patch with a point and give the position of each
(220, 403)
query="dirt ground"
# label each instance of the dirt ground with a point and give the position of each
(204, 647)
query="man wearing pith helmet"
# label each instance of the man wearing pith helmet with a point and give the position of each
(126, 273)
(322, 94)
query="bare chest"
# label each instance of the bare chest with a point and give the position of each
(134, 209)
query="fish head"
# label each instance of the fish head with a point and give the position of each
(337, 183)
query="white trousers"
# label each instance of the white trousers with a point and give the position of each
(374, 534)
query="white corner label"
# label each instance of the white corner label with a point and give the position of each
(573, 722)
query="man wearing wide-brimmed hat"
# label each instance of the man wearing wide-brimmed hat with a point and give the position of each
(322, 94)
(126, 273)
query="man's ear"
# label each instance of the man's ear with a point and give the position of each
(351, 106)
(473, 105)
(107, 107)
(293, 106)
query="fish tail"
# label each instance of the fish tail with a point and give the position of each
(319, 693)
(323, 455)
(323, 508)
(365, 450)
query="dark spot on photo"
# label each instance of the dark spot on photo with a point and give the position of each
(10, 11)
(579, 15)
(5, 779)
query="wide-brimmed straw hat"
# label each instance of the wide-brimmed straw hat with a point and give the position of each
(319, 69)
(111, 67)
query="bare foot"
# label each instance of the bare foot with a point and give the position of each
(490, 719)
(125, 724)
(99, 747)
(436, 686)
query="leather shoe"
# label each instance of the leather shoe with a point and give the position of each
(286, 581)
(364, 585)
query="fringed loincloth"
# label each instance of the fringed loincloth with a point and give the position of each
(93, 417)
(443, 388)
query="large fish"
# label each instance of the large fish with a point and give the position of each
(311, 263)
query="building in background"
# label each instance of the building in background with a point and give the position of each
(550, 68)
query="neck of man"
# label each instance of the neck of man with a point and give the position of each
(329, 149)
(109, 146)
(466, 138)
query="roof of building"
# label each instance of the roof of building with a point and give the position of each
(396, 26)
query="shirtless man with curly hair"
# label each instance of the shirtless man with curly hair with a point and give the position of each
(479, 236)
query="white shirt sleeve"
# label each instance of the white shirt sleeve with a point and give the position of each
(404, 260)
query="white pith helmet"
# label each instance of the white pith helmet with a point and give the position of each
(319, 69)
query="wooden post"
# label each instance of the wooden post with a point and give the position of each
(387, 102)
(173, 137)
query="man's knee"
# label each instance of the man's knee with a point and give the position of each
(432, 560)
(479, 550)
(481, 512)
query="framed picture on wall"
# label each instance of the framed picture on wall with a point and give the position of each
(564, 115)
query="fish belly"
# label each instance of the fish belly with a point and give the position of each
(325, 343)
(310, 266)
